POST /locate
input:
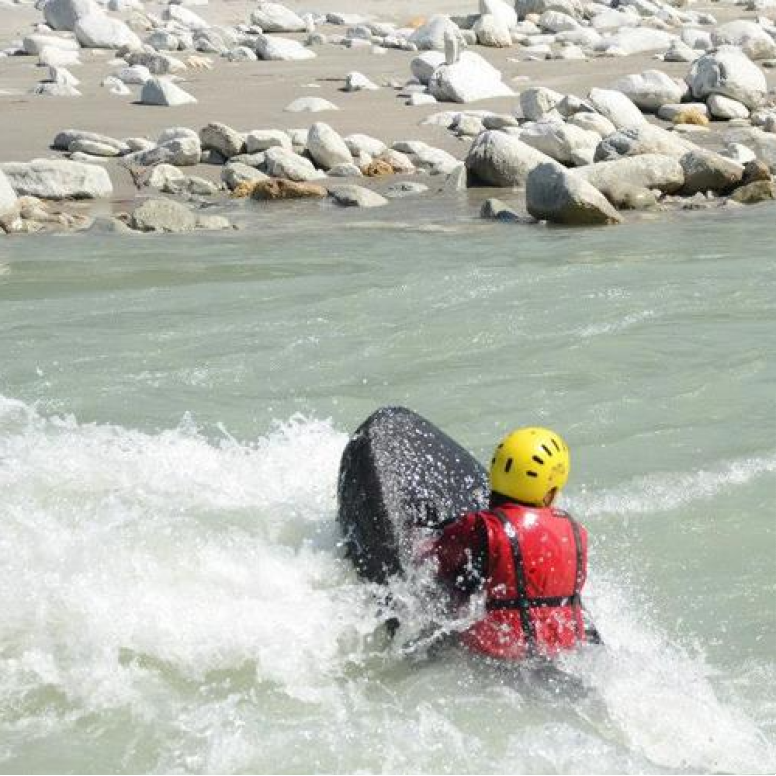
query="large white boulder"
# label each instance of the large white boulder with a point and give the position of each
(729, 72)
(58, 179)
(556, 21)
(563, 142)
(274, 17)
(185, 17)
(160, 91)
(492, 32)
(616, 107)
(749, 36)
(327, 147)
(469, 79)
(642, 139)
(63, 14)
(431, 35)
(498, 159)
(553, 194)
(637, 40)
(725, 108)
(649, 171)
(282, 49)
(651, 89)
(98, 30)
(222, 138)
(423, 65)
(282, 163)
(539, 102)
(504, 12)
(9, 202)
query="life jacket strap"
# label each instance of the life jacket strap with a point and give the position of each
(533, 603)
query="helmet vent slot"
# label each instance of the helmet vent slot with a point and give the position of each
(532, 474)
(508, 465)
(538, 460)
(547, 450)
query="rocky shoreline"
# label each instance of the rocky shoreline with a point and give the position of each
(633, 138)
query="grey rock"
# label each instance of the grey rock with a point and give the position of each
(726, 108)
(345, 171)
(213, 223)
(160, 91)
(558, 196)
(282, 163)
(9, 202)
(538, 103)
(431, 35)
(563, 142)
(274, 17)
(282, 49)
(616, 107)
(163, 215)
(643, 139)
(310, 105)
(708, 171)
(497, 159)
(648, 171)
(223, 139)
(762, 144)
(495, 210)
(98, 30)
(63, 14)
(164, 177)
(326, 147)
(651, 89)
(359, 144)
(235, 173)
(730, 73)
(405, 189)
(178, 151)
(261, 139)
(58, 179)
(356, 196)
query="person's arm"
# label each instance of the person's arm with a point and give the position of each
(461, 553)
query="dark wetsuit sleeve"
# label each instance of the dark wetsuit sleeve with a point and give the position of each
(461, 553)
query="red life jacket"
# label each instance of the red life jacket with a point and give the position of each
(537, 564)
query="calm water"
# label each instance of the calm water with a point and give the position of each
(172, 415)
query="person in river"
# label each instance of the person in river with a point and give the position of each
(529, 557)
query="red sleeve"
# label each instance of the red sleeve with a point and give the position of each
(457, 545)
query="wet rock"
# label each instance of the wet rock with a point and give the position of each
(626, 197)
(706, 171)
(213, 223)
(163, 215)
(495, 210)
(642, 139)
(648, 171)
(498, 159)
(275, 189)
(405, 189)
(235, 173)
(754, 171)
(356, 196)
(759, 191)
(557, 196)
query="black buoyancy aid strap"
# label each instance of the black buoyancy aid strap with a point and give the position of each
(521, 590)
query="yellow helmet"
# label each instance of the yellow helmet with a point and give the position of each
(528, 464)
